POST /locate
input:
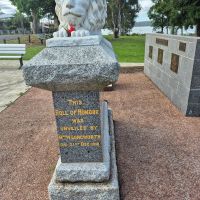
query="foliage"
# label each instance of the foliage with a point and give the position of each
(36, 9)
(19, 20)
(31, 8)
(121, 15)
(175, 13)
(159, 13)
(48, 8)
(28, 6)
(190, 9)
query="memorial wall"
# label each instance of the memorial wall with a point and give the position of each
(173, 64)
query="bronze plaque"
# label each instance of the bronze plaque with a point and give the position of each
(150, 52)
(162, 41)
(182, 46)
(175, 63)
(160, 56)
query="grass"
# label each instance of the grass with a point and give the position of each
(32, 51)
(127, 48)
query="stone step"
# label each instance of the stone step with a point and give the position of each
(131, 67)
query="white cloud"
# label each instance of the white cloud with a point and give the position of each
(145, 5)
(6, 7)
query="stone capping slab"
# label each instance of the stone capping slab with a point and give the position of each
(108, 190)
(177, 37)
(79, 68)
(77, 41)
(89, 172)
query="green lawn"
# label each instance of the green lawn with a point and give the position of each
(32, 51)
(127, 48)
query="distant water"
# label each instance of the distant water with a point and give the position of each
(148, 29)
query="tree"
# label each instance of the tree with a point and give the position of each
(159, 13)
(121, 15)
(19, 20)
(32, 8)
(175, 13)
(191, 9)
(36, 9)
(48, 8)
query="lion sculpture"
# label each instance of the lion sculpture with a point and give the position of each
(79, 18)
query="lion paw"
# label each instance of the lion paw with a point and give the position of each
(61, 33)
(80, 33)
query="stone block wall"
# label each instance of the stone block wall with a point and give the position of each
(173, 64)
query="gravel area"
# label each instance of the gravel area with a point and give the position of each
(158, 149)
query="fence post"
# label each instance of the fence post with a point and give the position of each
(4, 41)
(29, 38)
(19, 42)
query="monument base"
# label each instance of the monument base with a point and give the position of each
(89, 171)
(108, 190)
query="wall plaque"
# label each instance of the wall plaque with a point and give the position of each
(162, 41)
(151, 52)
(182, 46)
(78, 126)
(175, 63)
(160, 56)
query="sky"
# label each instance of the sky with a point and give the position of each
(145, 4)
(9, 9)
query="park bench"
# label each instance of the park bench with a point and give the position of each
(13, 51)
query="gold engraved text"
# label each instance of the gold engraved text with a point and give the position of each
(80, 137)
(88, 112)
(75, 102)
(77, 121)
(74, 128)
(82, 144)
(76, 112)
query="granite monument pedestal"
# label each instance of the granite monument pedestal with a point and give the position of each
(75, 70)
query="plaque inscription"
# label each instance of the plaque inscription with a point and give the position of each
(151, 52)
(160, 56)
(162, 41)
(78, 126)
(175, 63)
(182, 46)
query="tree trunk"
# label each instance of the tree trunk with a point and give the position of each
(35, 27)
(56, 22)
(162, 29)
(182, 30)
(198, 29)
(172, 30)
(22, 24)
(116, 33)
(119, 21)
